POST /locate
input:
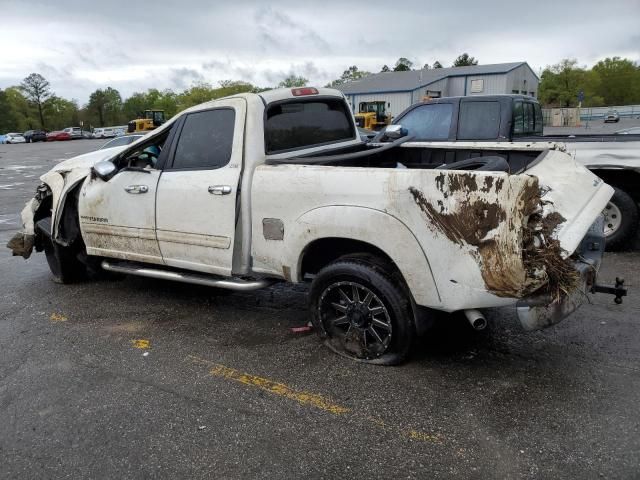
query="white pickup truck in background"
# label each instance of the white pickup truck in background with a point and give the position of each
(252, 189)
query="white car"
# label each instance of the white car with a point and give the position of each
(14, 138)
(103, 133)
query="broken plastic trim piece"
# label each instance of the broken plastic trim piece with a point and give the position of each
(21, 245)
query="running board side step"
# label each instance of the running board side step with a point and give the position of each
(198, 279)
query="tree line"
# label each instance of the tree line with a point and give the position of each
(33, 104)
(612, 81)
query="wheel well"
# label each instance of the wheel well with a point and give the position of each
(321, 252)
(624, 179)
(46, 204)
(69, 227)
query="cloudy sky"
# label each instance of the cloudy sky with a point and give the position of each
(80, 46)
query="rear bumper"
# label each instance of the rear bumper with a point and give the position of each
(541, 311)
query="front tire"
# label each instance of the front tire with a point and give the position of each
(64, 264)
(621, 220)
(361, 312)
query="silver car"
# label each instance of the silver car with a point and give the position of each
(612, 116)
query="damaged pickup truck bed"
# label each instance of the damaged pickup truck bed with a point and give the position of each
(255, 188)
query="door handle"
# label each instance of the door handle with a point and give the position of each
(136, 189)
(220, 189)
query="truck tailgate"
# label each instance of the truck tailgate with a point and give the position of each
(572, 191)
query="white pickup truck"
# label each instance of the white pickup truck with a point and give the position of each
(251, 189)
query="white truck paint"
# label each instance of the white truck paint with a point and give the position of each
(441, 239)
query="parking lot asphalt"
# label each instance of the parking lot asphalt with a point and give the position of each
(136, 378)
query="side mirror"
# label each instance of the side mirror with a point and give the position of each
(394, 132)
(104, 170)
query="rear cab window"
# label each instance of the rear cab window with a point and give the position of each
(428, 122)
(297, 124)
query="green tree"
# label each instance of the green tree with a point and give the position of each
(106, 105)
(134, 106)
(37, 90)
(205, 92)
(437, 64)
(61, 113)
(403, 65)
(619, 81)
(385, 68)
(152, 99)
(464, 60)
(22, 113)
(166, 100)
(293, 81)
(8, 118)
(198, 93)
(349, 75)
(561, 83)
(233, 87)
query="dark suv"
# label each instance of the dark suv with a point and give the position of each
(35, 136)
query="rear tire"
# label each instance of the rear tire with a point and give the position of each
(361, 311)
(621, 220)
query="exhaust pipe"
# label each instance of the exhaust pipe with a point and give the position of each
(476, 319)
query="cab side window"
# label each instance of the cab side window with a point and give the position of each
(518, 119)
(527, 118)
(206, 140)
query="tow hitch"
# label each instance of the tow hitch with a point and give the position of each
(619, 290)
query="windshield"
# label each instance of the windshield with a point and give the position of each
(119, 142)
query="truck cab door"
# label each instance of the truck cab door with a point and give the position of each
(198, 190)
(117, 217)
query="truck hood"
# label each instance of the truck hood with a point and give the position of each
(87, 160)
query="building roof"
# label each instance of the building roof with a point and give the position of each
(413, 79)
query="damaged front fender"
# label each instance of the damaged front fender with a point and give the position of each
(22, 243)
(49, 200)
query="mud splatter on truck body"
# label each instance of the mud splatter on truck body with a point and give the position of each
(516, 255)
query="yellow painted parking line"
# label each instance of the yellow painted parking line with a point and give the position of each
(310, 399)
(141, 343)
(57, 317)
(280, 389)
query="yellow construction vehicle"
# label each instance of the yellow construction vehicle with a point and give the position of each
(372, 115)
(148, 121)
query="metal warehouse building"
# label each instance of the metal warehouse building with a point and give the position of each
(402, 89)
